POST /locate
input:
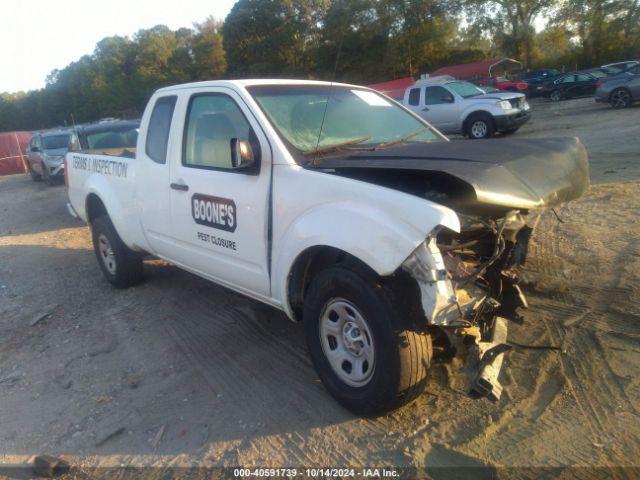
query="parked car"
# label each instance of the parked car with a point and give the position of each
(46, 155)
(340, 207)
(459, 107)
(508, 85)
(536, 78)
(570, 85)
(113, 137)
(620, 91)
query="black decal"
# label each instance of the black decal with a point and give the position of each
(214, 212)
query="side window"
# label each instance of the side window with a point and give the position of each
(568, 79)
(583, 78)
(158, 132)
(437, 95)
(414, 96)
(213, 121)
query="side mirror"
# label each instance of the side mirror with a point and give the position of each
(447, 99)
(35, 149)
(241, 154)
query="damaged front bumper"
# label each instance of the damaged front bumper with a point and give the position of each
(469, 289)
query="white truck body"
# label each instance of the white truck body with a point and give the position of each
(347, 233)
(150, 216)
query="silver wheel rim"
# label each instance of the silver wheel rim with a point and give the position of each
(620, 98)
(555, 96)
(479, 129)
(106, 254)
(347, 342)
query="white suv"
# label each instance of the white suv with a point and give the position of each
(459, 107)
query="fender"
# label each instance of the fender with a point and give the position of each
(371, 234)
(120, 206)
(471, 111)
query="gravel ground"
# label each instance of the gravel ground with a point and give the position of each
(181, 372)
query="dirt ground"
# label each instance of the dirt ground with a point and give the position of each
(181, 372)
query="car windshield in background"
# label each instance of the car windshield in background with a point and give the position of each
(113, 139)
(353, 118)
(465, 89)
(55, 142)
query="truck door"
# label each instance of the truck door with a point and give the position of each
(440, 108)
(220, 214)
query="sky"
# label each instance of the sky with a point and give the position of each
(38, 36)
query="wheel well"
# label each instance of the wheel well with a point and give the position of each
(309, 264)
(95, 208)
(476, 114)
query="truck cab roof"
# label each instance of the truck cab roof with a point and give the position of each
(252, 83)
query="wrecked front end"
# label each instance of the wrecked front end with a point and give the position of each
(468, 280)
(469, 289)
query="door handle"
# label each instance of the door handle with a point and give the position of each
(180, 186)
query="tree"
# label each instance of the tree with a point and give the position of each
(512, 23)
(208, 51)
(272, 37)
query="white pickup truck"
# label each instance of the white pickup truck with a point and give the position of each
(343, 209)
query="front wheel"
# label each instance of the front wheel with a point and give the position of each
(121, 267)
(365, 351)
(555, 96)
(480, 126)
(36, 177)
(620, 98)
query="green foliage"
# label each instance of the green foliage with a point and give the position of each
(360, 41)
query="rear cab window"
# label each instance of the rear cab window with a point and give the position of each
(414, 96)
(159, 126)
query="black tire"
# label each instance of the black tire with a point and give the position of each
(555, 96)
(480, 125)
(620, 98)
(402, 352)
(36, 177)
(122, 267)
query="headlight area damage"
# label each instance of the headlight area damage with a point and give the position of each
(469, 289)
(468, 280)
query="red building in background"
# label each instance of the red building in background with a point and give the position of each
(13, 148)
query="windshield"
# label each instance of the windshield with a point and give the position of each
(465, 89)
(353, 118)
(113, 139)
(54, 142)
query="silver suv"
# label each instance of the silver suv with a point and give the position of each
(46, 155)
(459, 107)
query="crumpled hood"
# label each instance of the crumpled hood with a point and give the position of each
(496, 96)
(514, 173)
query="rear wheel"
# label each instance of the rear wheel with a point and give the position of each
(555, 96)
(365, 351)
(620, 98)
(480, 126)
(121, 267)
